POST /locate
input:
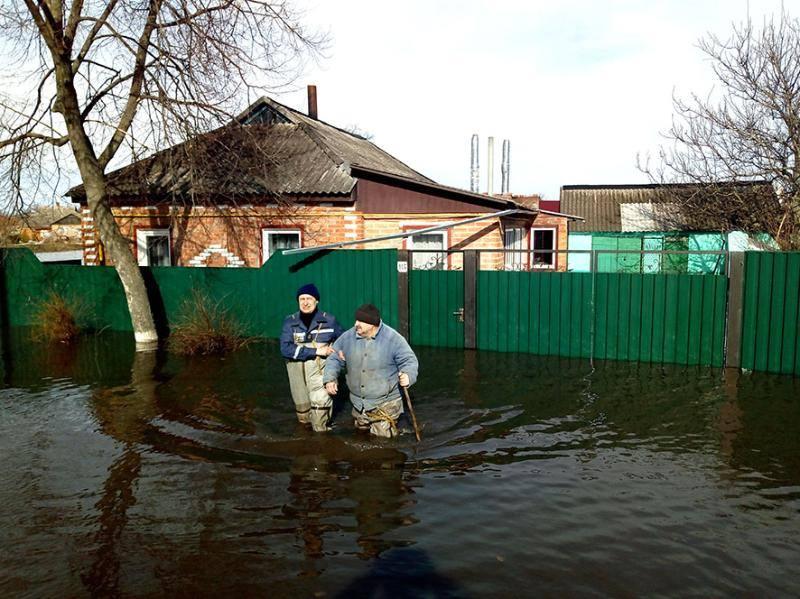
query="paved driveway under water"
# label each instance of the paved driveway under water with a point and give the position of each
(150, 475)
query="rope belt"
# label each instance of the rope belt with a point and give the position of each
(380, 415)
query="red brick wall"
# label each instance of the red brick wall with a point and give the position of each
(232, 237)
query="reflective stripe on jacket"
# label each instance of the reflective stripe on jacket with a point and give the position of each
(323, 330)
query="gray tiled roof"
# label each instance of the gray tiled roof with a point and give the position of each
(269, 150)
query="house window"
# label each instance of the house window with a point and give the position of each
(152, 247)
(544, 239)
(514, 242)
(428, 260)
(276, 240)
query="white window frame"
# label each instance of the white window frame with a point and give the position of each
(554, 255)
(142, 235)
(265, 244)
(515, 258)
(442, 234)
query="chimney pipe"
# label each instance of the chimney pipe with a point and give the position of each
(490, 167)
(474, 173)
(312, 101)
(505, 167)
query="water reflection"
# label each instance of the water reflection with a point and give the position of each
(403, 573)
(191, 477)
(122, 414)
(377, 495)
(335, 486)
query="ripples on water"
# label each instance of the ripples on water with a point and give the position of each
(147, 475)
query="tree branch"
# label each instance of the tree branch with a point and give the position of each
(137, 79)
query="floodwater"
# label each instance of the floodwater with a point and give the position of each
(150, 475)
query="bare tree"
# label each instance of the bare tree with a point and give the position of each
(745, 130)
(96, 77)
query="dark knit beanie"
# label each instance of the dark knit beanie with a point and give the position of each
(369, 314)
(309, 289)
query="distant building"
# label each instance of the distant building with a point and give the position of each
(641, 218)
(57, 223)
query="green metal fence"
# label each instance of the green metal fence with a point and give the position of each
(259, 298)
(677, 319)
(540, 313)
(641, 317)
(669, 318)
(770, 320)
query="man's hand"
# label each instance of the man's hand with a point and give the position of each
(324, 351)
(332, 387)
(403, 378)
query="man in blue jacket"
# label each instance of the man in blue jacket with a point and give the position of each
(378, 361)
(306, 340)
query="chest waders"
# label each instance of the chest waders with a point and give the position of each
(380, 421)
(312, 404)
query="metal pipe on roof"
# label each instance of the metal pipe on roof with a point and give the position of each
(568, 216)
(331, 246)
(474, 173)
(505, 167)
(490, 167)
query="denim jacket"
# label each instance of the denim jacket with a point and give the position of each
(373, 365)
(323, 330)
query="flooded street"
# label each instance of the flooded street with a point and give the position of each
(149, 475)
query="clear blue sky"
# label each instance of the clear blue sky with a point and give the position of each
(578, 86)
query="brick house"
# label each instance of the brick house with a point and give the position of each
(276, 178)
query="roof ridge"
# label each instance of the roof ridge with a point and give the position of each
(332, 155)
(374, 145)
(305, 121)
(304, 117)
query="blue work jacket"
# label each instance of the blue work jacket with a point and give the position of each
(373, 365)
(323, 330)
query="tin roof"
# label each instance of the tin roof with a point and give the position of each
(599, 205)
(270, 149)
(663, 207)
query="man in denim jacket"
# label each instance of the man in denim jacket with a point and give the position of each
(306, 340)
(378, 361)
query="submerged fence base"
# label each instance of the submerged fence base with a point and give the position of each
(747, 317)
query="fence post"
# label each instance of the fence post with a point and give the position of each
(403, 266)
(733, 320)
(5, 344)
(2, 289)
(470, 299)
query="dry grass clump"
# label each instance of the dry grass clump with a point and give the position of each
(206, 328)
(55, 320)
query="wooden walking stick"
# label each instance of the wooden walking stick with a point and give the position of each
(411, 411)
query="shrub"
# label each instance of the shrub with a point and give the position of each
(55, 320)
(205, 327)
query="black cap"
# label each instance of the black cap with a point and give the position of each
(369, 314)
(309, 289)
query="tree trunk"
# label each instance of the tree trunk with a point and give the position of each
(130, 276)
(94, 182)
